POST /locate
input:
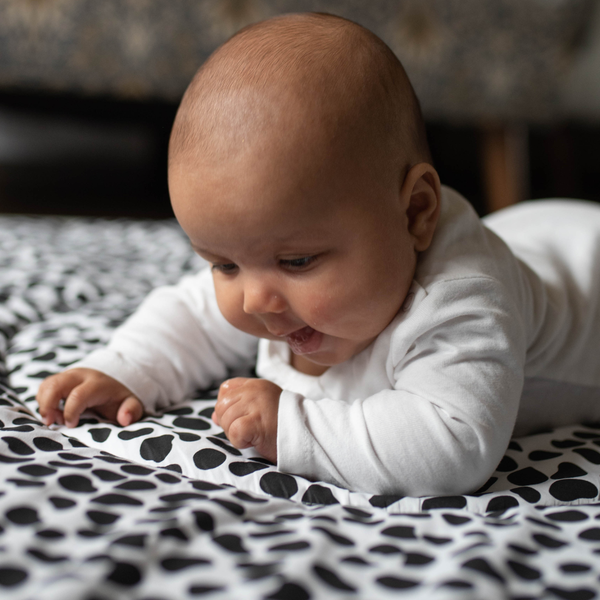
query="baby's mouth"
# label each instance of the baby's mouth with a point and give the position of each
(304, 341)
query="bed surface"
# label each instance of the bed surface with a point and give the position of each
(167, 508)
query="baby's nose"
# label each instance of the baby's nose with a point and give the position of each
(260, 298)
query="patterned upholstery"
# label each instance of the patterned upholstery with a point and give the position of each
(469, 60)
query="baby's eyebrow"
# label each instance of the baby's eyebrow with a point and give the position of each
(198, 249)
(209, 256)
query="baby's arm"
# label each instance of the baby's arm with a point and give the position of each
(86, 388)
(175, 343)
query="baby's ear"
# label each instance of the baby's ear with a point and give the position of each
(421, 191)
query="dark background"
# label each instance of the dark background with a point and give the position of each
(105, 157)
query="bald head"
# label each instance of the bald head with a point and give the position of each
(312, 76)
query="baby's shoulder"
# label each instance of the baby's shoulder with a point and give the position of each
(451, 313)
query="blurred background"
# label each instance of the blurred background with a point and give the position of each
(510, 90)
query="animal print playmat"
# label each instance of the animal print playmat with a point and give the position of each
(167, 508)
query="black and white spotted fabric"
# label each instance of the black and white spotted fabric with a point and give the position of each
(167, 508)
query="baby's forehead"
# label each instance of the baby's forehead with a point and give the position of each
(263, 97)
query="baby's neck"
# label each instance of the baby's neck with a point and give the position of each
(306, 366)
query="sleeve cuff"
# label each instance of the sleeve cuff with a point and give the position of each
(292, 439)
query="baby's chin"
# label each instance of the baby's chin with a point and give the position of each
(307, 366)
(335, 351)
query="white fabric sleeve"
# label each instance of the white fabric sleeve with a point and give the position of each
(457, 363)
(176, 342)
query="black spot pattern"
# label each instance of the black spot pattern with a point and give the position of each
(17, 446)
(589, 454)
(11, 577)
(501, 503)
(527, 476)
(100, 434)
(133, 434)
(46, 444)
(507, 464)
(318, 494)
(567, 470)
(529, 494)
(569, 490)
(279, 484)
(445, 502)
(77, 483)
(483, 566)
(101, 517)
(156, 448)
(209, 459)
(125, 574)
(176, 563)
(523, 571)
(168, 505)
(543, 455)
(332, 579)
(230, 542)
(23, 515)
(289, 591)
(191, 423)
(592, 534)
(574, 568)
(241, 469)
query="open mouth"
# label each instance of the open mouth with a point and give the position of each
(304, 341)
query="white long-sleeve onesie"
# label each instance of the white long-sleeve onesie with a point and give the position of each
(430, 406)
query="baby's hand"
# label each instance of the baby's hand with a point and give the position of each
(247, 411)
(86, 388)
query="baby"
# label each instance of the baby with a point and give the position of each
(399, 339)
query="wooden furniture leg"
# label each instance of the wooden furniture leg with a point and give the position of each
(505, 165)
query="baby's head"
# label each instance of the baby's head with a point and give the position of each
(299, 168)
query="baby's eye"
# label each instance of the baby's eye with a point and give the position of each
(298, 263)
(227, 268)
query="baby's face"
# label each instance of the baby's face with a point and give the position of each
(311, 251)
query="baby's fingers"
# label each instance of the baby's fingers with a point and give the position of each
(52, 390)
(227, 410)
(85, 395)
(242, 432)
(229, 396)
(130, 411)
(231, 385)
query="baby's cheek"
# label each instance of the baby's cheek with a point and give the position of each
(230, 302)
(324, 310)
(347, 312)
